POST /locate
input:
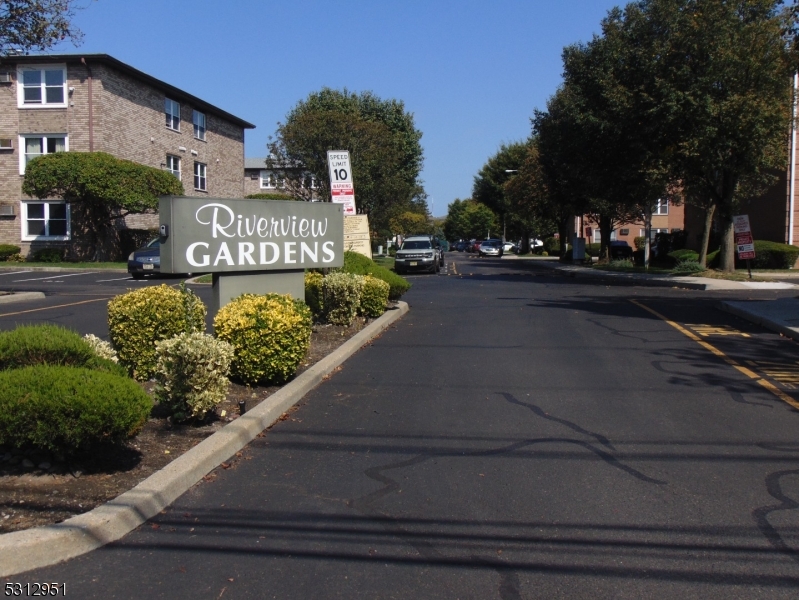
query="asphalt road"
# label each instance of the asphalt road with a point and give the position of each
(517, 435)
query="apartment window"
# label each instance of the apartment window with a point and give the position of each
(268, 181)
(38, 145)
(172, 112)
(198, 119)
(653, 232)
(42, 86)
(199, 176)
(45, 220)
(625, 232)
(661, 207)
(173, 165)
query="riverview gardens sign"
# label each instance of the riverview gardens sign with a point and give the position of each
(256, 246)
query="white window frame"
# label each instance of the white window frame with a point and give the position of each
(43, 86)
(269, 177)
(656, 230)
(200, 178)
(175, 172)
(199, 124)
(23, 155)
(169, 106)
(47, 203)
(661, 207)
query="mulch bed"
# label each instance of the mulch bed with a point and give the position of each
(37, 488)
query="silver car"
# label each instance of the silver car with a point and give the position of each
(491, 248)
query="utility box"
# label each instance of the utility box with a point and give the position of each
(578, 249)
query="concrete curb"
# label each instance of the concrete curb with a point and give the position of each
(789, 332)
(21, 297)
(22, 551)
(626, 279)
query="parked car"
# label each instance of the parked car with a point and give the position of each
(145, 260)
(474, 246)
(491, 248)
(510, 247)
(417, 253)
(461, 245)
(620, 249)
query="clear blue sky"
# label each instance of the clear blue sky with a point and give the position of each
(471, 72)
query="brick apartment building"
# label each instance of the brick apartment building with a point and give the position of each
(94, 102)
(666, 218)
(258, 179)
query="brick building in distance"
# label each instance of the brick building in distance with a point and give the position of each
(96, 103)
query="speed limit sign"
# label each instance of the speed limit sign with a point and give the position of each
(341, 189)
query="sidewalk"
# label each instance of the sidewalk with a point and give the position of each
(780, 315)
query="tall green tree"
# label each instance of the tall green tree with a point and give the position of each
(27, 25)
(489, 183)
(468, 219)
(100, 189)
(384, 145)
(718, 75)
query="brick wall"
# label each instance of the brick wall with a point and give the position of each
(128, 121)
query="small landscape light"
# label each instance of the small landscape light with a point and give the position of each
(242, 407)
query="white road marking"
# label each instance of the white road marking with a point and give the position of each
(16, 273)
(117, 279)
(54, 277)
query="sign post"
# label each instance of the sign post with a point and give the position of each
(342, 190)
(744, 243)
(250, 246)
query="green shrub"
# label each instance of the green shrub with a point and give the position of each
(639, 242)
(552, 246)
(683, 255)
(374, 296)
(139, 319)
(592, 249)
(358, 264)
(544, 253)
(270, 335)
(688, 266)
(66, 408)
(48, 255)
(712, 259)
(392, 252)
(269, 196)
(7, 251)
(772, 255)
(17, 258)
(313, 292)
(622, 263)
(341, 293)
(191, 374)
(31, 345)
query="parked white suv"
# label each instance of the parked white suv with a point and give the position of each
(418, 253)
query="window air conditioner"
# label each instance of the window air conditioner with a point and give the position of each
(6, 210)
(5, 77)
(6, 144)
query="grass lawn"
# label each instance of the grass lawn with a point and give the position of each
(204, 279)
(385, 261)
(67, 265)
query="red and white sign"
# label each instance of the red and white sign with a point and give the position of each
(744, 243)
(342, 190)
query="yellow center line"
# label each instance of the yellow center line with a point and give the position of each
(730, 361)
(22, 312)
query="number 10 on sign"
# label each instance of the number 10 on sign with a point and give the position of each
(341, 189)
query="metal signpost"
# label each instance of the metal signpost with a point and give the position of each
(250, 246)
(342, 190)
(744, 243)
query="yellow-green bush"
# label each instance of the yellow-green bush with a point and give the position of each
(270, 335)
(341, 294)
(374, 296)
(191, 374)
(139, 319)
(313, 292)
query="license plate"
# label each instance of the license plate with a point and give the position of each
(413, 264)
(147, 267)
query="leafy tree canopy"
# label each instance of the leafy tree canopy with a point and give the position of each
(27, 25)
(384, 145)
(409, 223)
(490, 180)
(467, 219)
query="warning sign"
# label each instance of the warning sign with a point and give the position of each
(342, 190)
(744, 243)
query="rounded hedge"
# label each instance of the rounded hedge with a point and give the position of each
(313, 292)
(374, 296)
(358, 264)
(270, 335)
(139, 319)
(7, 251)
(31, 345)
(67, 408)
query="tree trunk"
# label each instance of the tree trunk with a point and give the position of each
(706, 228)
(525, 247)
(563, 233)
(727, 252)
(605, 229)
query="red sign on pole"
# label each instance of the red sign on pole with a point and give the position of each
(744, 243)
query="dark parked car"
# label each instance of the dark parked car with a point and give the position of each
(146, 260)
(620, 249)
(461, 246)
